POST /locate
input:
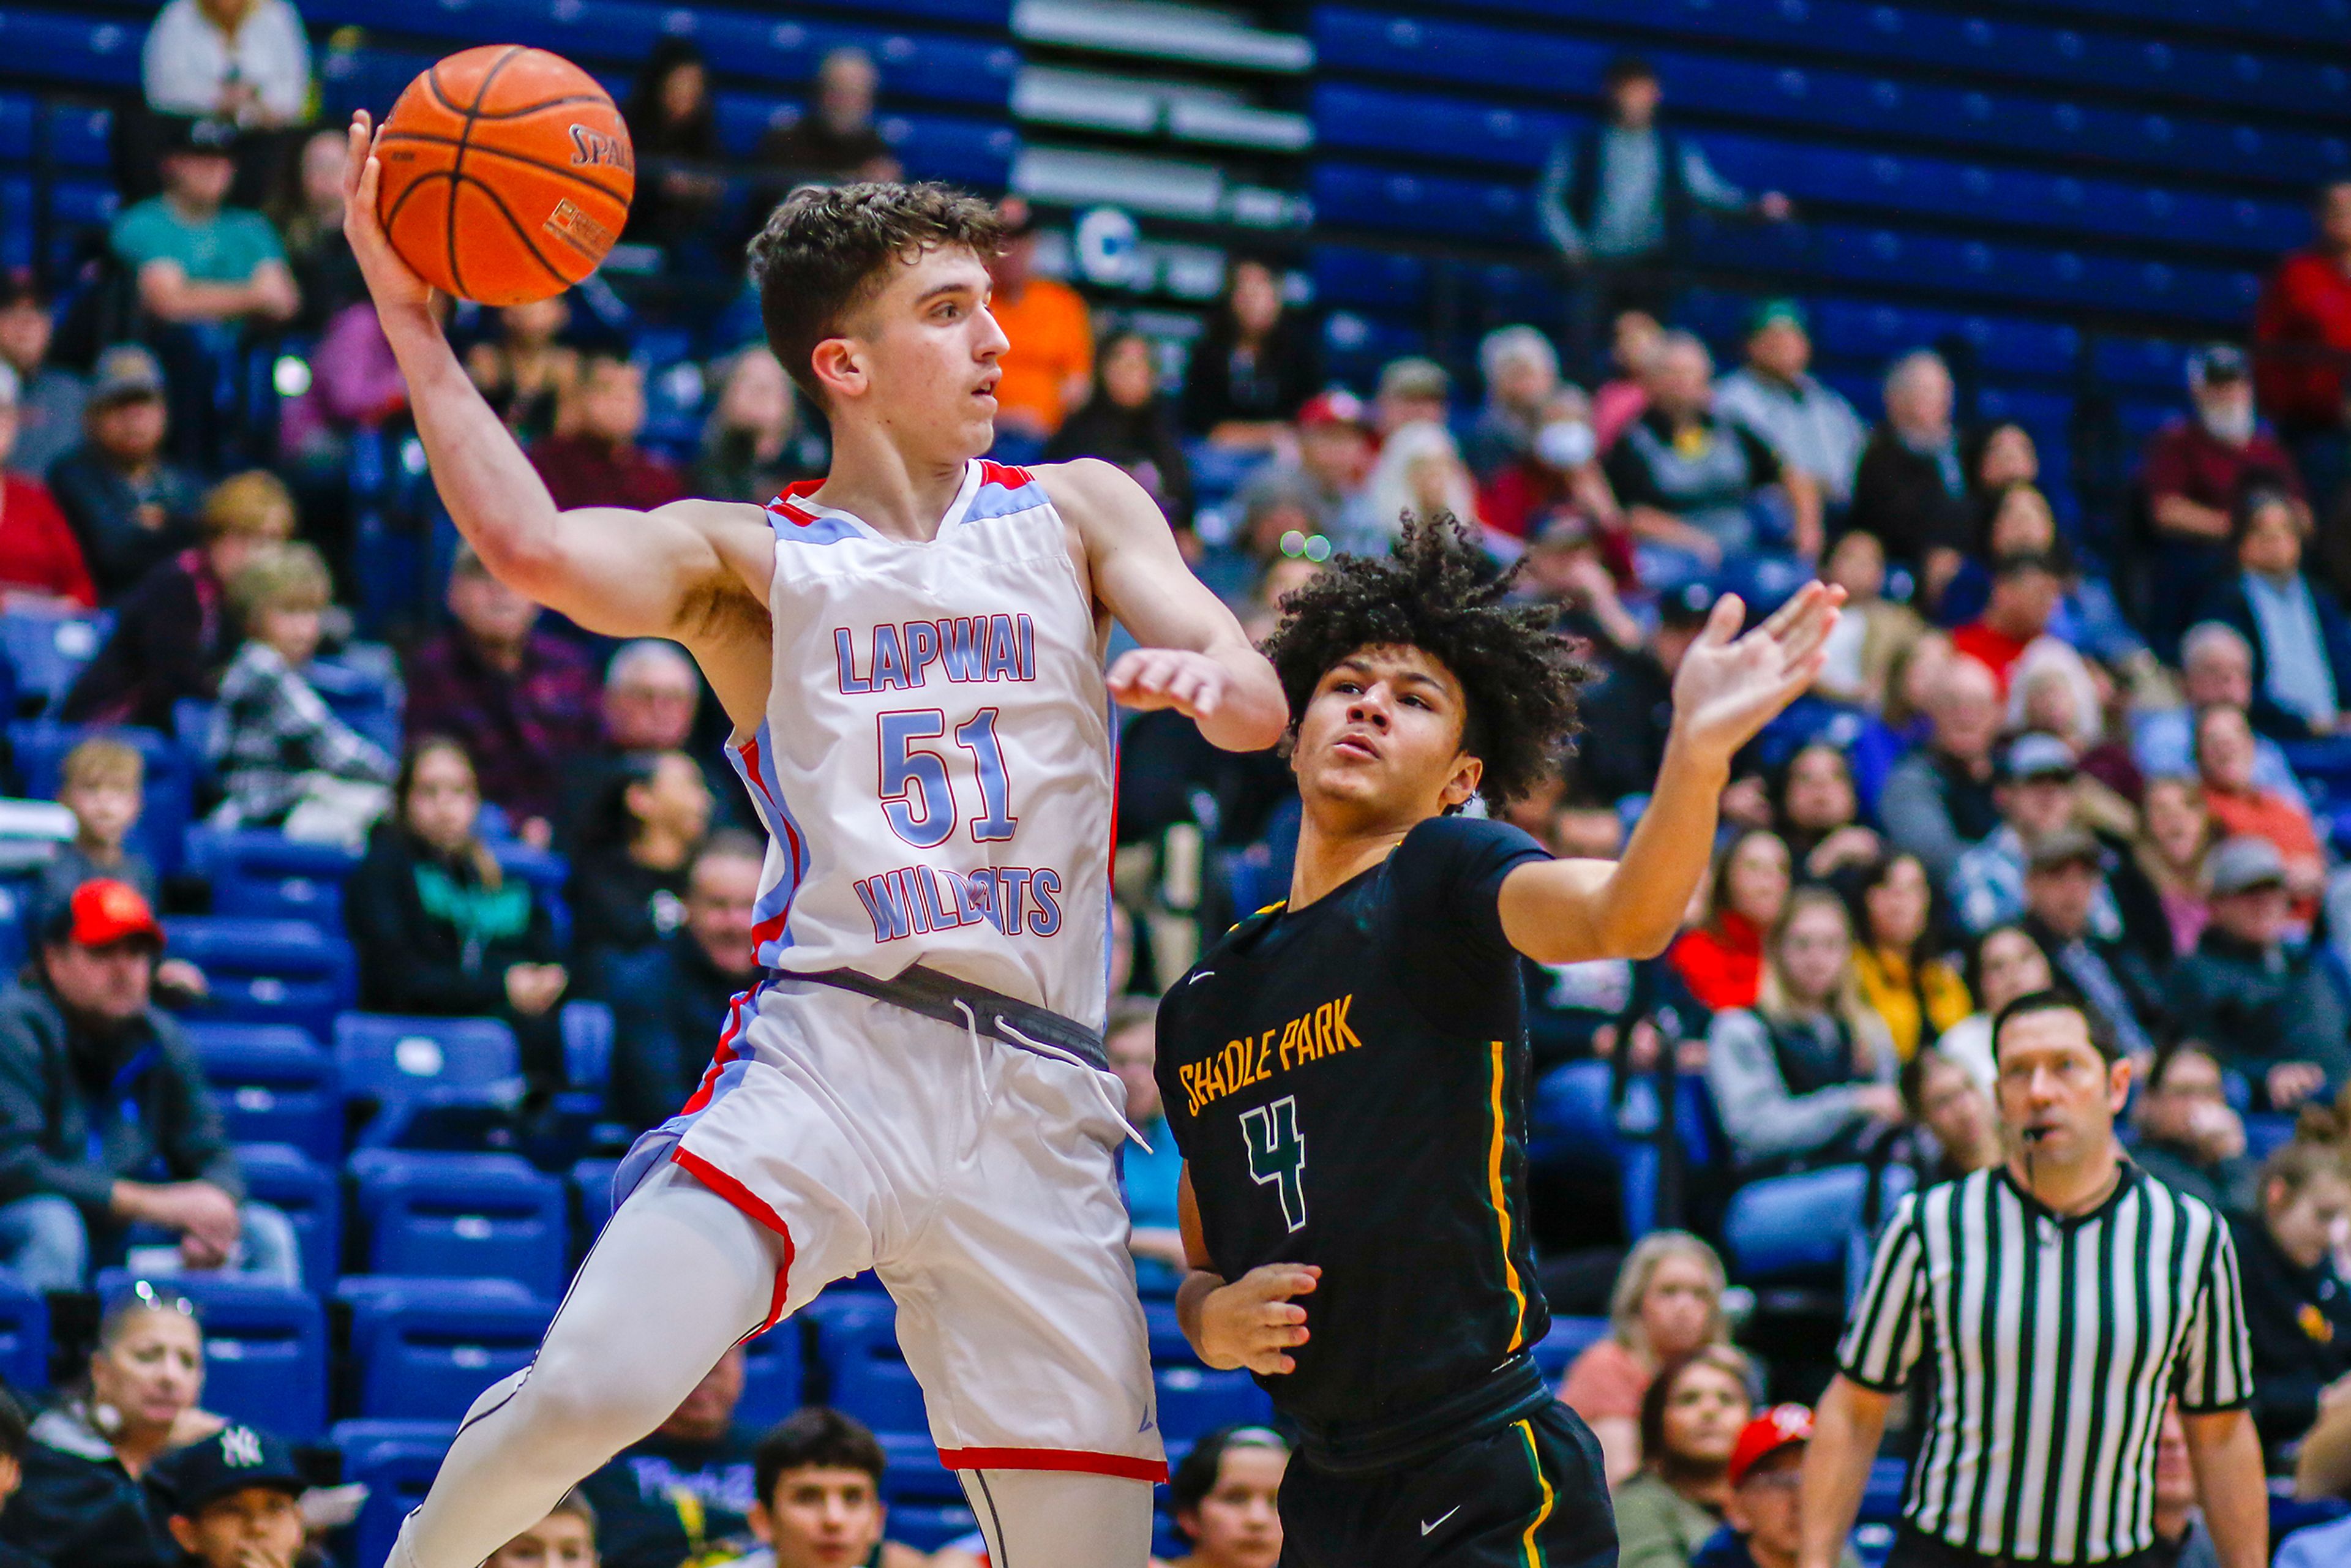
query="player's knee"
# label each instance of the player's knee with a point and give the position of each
(577, 1401)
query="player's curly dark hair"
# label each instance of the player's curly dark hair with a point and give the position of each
(1518, 676)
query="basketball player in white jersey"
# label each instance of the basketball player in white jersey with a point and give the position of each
(911, 655)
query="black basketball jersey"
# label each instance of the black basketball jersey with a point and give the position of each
(1348, 1083)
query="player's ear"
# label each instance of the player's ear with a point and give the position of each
(1467, 773)
(839, 368)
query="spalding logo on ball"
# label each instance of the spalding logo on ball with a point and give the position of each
(506, 174)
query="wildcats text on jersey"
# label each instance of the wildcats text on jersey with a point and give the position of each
(963, 648)
(916, 900)
(1307, 1037)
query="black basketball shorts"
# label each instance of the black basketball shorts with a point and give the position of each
(1532, 1494)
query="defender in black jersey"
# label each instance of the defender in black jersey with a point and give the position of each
(1345, 1072)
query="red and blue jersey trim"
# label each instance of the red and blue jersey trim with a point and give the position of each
(755, 761)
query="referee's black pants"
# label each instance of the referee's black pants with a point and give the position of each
(1913, 1549)
(1531, 1494)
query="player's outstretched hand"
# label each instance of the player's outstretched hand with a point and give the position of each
(1192, 683)
(1730, 687)
(390, 279)
(1253, 1323)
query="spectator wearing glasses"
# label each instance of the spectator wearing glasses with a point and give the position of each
(86, 1498)
(1763, 1513)
(100, 1095)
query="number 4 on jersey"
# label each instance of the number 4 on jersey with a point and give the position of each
(1277, 1155)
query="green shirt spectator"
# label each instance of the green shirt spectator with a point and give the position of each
(198, 260)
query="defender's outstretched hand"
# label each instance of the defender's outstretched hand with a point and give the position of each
(1728, 686)
(390, 280)
(1252, 1321)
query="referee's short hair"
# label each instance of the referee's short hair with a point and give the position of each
(2053, 1001)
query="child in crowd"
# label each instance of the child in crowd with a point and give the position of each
(566, 1537)
(820, 1497)
(103, 783)
(285, 759)
(234, 1500)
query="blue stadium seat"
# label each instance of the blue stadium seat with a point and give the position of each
(1568, 1338)
(80, 136)
(96, 52)
(591, 1191)
(1355, 195)
(2265, 1133)
(1571, 1125)
(275, 1085)
(17, 232)
(410, 1068)
(83, 203)
(587, 1029)
(263, 873)
(1345, 274)
(15, 128)
(1799, 1230)
(857, 1347)
(424, 1350)
(24, 1335)
(944, 146)
(268, 971)
(772, 1377)
(447, 1215)
(46, 651)
(19, 908)
(1881, 1499)
(927, 1507)
(1194, 1400)
(306, 1192)
(396, 1460)
(265, 1348)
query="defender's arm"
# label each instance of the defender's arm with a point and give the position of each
(1194, 657)
(1564, 912)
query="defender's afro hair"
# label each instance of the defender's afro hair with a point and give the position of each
(1519, 677)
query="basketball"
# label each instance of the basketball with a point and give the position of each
(506, 174)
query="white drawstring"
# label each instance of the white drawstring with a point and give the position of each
(1093, 1075)
(978, 1049)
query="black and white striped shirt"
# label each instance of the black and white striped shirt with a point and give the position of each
(2051, 1345)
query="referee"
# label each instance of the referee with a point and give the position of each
(2058, 1301)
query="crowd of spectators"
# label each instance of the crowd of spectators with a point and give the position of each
(2021, 767)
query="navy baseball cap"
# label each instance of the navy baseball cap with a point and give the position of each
(229, 1462)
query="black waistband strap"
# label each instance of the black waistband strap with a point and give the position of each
(935, 996)
(1512, 1390)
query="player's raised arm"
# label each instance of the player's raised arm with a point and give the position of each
(621, 573)
(1194, 657)
(1728, 687)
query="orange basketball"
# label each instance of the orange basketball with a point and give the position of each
(506, 174)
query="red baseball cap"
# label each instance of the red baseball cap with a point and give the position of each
(1777, 1428)
(1336, 406)
(103, 912)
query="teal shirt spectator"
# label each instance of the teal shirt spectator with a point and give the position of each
(227, 247)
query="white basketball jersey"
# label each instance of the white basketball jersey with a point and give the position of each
(935, 765)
